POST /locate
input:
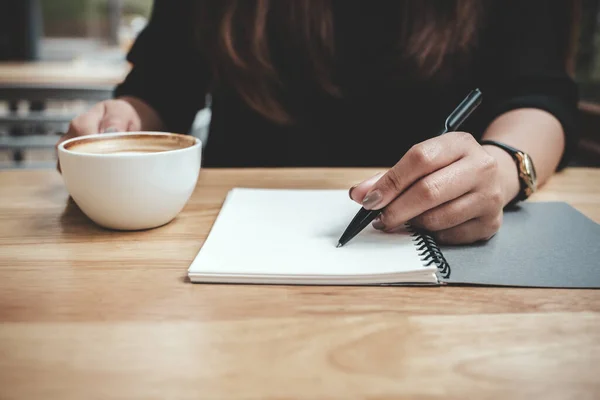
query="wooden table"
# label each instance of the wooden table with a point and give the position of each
(62, 73)
(74, 80)
(89, 313)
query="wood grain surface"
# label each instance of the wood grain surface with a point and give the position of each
(62, 73)
(96, 314)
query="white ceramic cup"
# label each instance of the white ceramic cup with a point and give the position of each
(133, 180)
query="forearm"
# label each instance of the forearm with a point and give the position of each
(150, 119)
(534, 131)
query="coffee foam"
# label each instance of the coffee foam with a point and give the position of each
(130, 144)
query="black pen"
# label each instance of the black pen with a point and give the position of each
(453, 122)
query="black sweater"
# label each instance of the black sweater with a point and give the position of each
(518, 62)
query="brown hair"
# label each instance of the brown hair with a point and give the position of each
(235, 33)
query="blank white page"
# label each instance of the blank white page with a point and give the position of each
(261, 234)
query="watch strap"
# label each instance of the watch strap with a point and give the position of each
(513, 153)
(510, 150)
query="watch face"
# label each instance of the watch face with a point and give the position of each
(528, 173)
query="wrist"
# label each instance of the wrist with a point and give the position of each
(508, 173)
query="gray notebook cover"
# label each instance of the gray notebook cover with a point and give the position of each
(539, 245)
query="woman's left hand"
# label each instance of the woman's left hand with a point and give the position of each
(449, 185)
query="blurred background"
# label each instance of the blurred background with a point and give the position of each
(57, 57)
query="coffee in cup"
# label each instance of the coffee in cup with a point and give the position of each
(130, 144)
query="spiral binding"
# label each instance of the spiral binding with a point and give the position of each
(429, 251)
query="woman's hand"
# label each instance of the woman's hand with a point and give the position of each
(104, 117)
(119, 115)
(448, 185)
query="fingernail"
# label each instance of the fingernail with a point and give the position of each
(350, 191)
(377, 224)
(110, 130)
(372, 199)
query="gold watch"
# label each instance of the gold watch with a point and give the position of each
(525, 167)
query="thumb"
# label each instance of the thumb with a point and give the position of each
(358, 192)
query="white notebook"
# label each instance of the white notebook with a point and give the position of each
(272, 236)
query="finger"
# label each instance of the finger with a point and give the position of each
(377, 224)
(430, 192)
(474, 230)
(87, 123)
(421, 160)
(118, 117)
(456, 212)
(358, 192)
(84, 124)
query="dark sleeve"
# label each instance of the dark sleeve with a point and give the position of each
(525, 64)
(168, 72)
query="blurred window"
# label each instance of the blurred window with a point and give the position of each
(91, 28)
(588, 51)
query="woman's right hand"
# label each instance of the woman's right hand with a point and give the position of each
(118, 115)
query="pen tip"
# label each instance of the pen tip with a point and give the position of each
(338, 245)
